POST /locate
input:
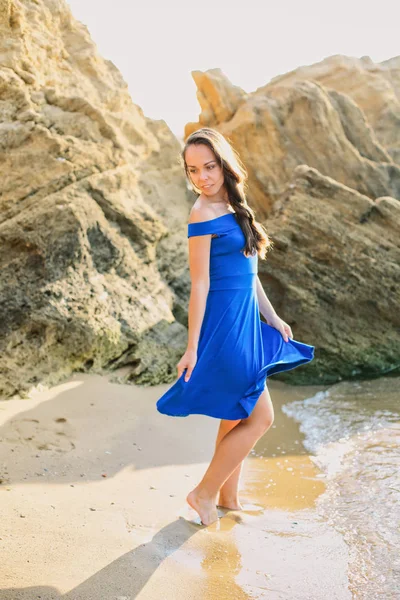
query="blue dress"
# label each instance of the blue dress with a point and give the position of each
(236, 350)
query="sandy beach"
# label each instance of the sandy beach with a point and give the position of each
(113, 155)
(93, 506)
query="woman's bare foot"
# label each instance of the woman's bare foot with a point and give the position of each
(232, 503)
(205, 507)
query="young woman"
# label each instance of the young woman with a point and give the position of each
(230, 351)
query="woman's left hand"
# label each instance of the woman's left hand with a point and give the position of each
(281, 326)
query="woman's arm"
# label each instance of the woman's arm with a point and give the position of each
(266, 308)
(199, 268)
(197, 307)
(269, 314)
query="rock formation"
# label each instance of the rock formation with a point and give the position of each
(334, 275)
(296, 122)
(94, 205)
(90, 190)
(321, 147)
(374, 87)
(218, 98)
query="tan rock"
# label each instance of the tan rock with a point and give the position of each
(90, 188)
(374, 87)
(94, 204)
(320, 145)
(301, 122)
(334, 275)
(218, 98)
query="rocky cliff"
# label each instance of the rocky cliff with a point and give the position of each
(90, 191)
(322, 145)
(94, 205)
(335, 274)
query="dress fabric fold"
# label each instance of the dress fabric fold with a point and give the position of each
(237, 351)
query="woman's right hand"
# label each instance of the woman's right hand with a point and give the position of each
(188, 361)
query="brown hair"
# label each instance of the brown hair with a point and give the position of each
(235, 180)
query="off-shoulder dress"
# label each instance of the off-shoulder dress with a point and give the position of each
(237, 351)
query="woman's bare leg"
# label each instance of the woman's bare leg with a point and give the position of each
(228, 493)
(230, 452)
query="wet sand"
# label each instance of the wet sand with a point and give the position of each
(93, 491)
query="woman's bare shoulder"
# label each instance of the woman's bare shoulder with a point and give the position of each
(200, 213)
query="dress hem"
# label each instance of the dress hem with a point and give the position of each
(254, 392)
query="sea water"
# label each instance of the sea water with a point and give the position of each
(352, 431)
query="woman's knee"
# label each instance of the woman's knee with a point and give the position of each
(263, 422)
(268, 420)
(262, 416)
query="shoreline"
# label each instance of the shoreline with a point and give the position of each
(94, 500)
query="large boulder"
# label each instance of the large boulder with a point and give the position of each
(94, 206)
(90, 189)
(320, 147)
(218, 99)
(279, 127)
(374, 87)
(334, 275)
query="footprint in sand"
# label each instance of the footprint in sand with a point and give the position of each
(190, 515)
(252, 508)
(55, 434)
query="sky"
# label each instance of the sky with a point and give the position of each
(156, 44)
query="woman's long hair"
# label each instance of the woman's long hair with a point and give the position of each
(235, 180)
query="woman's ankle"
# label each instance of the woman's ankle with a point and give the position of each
(203, 492)
(231, 496)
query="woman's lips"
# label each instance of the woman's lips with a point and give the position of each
(206, 187)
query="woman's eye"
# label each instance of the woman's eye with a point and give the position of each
(209, 167)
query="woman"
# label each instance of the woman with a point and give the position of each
(230, 351)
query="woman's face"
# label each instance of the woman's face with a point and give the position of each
(204, 170)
